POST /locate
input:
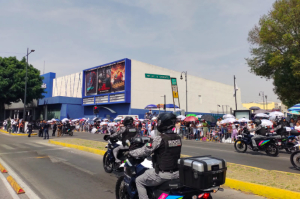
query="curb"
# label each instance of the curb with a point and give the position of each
(82, 148)
(2, 169)
(13, 134)
(15, 185)
(261, 190)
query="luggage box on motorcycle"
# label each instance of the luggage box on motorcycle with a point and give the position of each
(202, 172)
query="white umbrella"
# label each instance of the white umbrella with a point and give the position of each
(265, 122)
(154, 118)
(75, 120)
(103, 123)
(228, 116)
(275, 114)
(49, 121)
(262, 115)
(141, 120)
(105, 119)
(228, 120)
(199, 116)
(65, 119)
(181, 117)
(243, 120)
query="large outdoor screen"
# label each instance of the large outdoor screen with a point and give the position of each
(105, 79)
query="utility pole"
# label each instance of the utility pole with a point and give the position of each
(186, 95)
(235, 92)
(263, 96)
(266, 102)
(24, 113)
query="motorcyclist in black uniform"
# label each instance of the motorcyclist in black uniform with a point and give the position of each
(260, 132)
(128, 131)
(280, 127)
(166, 149)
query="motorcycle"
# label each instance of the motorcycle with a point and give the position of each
(263, 144)
(67, 131)
(295, 157)
(287, 142)
(109, 162)
(126, 187)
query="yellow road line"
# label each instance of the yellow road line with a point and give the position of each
(19, 134)
(15, 185)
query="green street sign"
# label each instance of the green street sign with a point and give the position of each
(147, 75)
(173, 81)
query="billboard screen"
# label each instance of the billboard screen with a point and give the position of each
(90, 82)
(104, 84)
(105, 79)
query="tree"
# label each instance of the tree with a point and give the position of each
(275, 49)
(12, 82)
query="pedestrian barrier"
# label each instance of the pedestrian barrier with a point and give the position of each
(15, 185)
(2, 169)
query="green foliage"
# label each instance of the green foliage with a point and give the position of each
(12, 81)
(276, 49)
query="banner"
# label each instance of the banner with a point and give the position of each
(118, 77)
(90, 82)
(104, 76)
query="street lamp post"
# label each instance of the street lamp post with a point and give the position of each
(164, 102)
(24, 113)
(266, 102)
(218, 108)
(262, 93)
(186, 95)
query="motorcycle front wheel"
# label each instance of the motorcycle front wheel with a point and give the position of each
(240, 146)
(272, 150)
(107, 165)
(121, 191)
(295, 159)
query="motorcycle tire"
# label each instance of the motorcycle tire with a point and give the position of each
(71, 133)
(272, 147)
(298, 159)
(105, 162)
(121, 191)
(237, 146)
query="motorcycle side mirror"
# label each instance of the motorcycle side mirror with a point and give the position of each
(106, 137)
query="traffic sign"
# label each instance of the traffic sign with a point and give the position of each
(174, 81)
(175, 94)
(155, 76)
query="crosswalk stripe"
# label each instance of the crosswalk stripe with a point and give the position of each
(7, 147)
(20, 146)
(34, 144)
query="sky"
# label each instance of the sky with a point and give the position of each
(207, 38)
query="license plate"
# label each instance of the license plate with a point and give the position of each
(279, 143)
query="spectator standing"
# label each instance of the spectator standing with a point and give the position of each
(54, 129)
(46, 128)
(41, 128)
(59, 126)
(29, 128)
(205, 128)
(292, 122)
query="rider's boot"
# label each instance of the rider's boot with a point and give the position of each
(255, 148)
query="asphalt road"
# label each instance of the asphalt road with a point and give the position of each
(225, 151)
(50, 171)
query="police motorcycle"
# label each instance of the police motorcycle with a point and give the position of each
(199, 177)
(109, 163)
(67, 129)
(295, 156)
(288, 140)
(267, 144)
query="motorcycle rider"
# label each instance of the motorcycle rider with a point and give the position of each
(166, 148)
(279, 129)
(260, 132)
(128, 131)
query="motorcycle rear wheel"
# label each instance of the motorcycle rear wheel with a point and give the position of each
(71, 133)
(295, 159)
(272, 150)
(107, 163)
(240, 146)
(121, 192)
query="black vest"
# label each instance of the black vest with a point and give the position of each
(261, 131)
(168, 153)
(129, 133)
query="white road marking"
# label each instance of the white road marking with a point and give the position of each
(26, 188)
(7, 147)
(79, 168)
(34, 144)
(13, 194)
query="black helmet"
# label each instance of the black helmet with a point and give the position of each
(165, 121)
(128, 121)
(257, 121)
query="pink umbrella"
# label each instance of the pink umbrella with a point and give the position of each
(191, 119)
(81, 120)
